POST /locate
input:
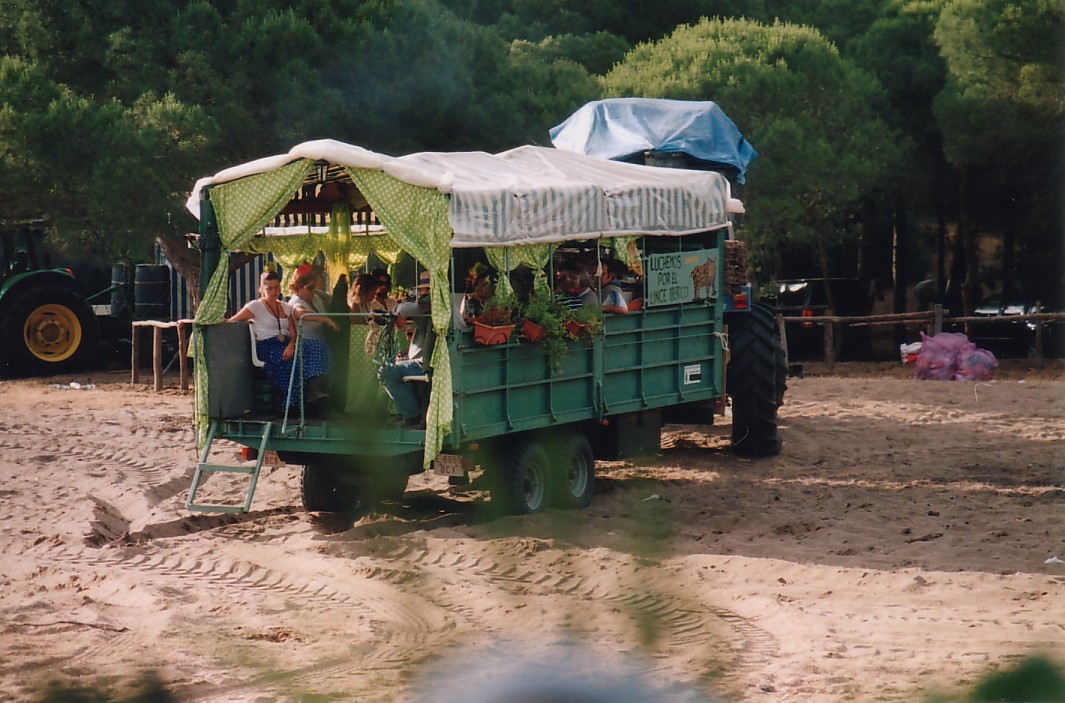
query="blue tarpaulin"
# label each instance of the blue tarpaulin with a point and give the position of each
(619, 128)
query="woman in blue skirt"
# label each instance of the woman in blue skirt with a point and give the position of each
(274, 324)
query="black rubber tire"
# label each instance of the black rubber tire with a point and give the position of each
(322, 489)
(523, 485)
(47, 330)
(376, 487)
(572, 470)
(752, 381)
(342, 484)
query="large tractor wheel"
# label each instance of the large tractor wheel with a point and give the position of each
(573, 470)
(755, 380)
(47, 330)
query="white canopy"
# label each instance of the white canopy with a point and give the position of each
(531, 194)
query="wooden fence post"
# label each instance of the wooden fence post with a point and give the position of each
(937, 323)
(830, 354)
(157, 357)
(783, 337)
(135, 361)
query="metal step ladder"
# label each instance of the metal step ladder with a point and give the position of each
(203, 468)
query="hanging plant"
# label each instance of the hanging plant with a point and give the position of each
(584, 324)
(495, 324)
(547, 313)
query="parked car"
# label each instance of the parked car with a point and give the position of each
(807, 297)
(1007, 336)
(1054, 338)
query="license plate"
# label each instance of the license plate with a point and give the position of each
(447, 465)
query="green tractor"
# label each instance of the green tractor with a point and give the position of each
(46, 325)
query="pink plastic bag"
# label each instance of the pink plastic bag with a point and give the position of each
(979, 365)
(940, 355)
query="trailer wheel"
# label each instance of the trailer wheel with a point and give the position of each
(752, 382)
(322, 489)
(573, 469)
(48, 329)
(376, 487)
(524, 483)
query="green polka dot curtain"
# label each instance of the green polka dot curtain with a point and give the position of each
(535, 256)
(416, 218)
(241, 208)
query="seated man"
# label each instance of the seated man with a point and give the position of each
(610, 292)
(575, 290)
(392, 375)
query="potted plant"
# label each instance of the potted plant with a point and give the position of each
(543, 321)
(584, 323)
(495, 324)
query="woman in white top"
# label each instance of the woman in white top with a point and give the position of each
(274, 323)
(305, 302)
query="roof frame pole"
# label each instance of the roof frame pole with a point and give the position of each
(210, 243)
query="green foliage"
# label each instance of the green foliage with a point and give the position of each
(108, 115)
(149, 689)
(597, 52)
(1002, 113)
(1007, 78)
(1035, 680)
(592, 319)
(813, 116)
(501, 308)
(546, 311)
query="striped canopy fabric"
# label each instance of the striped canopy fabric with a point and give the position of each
(534, 195)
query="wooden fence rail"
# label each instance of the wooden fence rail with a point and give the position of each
(936, 317)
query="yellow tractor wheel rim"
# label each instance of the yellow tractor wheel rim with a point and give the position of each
(52, 333)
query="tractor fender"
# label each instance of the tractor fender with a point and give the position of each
(32, 279)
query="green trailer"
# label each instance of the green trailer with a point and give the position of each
(530, 426)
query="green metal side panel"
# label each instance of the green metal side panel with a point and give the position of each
(649, 359)
(509, 387)
(645, 360)
(661, 357)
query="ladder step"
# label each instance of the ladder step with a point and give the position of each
(201, 508)
(205, 468)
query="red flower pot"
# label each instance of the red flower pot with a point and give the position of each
(531, 332)
(576, 329)
(491, 334)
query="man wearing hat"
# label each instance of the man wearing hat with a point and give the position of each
(392, 375)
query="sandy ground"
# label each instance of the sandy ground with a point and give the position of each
(900, 545)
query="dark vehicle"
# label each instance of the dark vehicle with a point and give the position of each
(1004, 337)
(807, 297)
(1007, 336)
(46, 325)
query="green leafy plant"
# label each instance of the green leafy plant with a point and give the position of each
(546, 311)
(592, 319)
(500, 308)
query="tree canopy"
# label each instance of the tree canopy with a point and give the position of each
(868, 114)
(812, 115)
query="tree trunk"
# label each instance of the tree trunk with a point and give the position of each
(970, 289)
(899, 273)
(1009, 249)
(822, 255)
(185, 260)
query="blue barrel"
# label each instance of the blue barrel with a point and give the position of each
(151, 291)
